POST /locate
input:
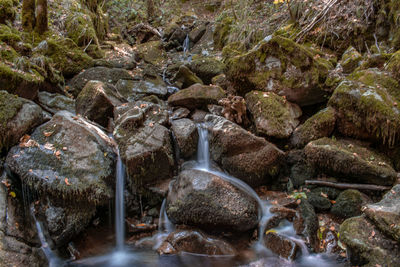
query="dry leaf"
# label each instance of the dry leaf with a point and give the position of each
(57, 153)
(66, 182)
(324, 195)
(64, 148)
(47, 134)
(49, 146)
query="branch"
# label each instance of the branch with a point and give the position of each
(349, 186)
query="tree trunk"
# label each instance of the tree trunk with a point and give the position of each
(150, 10)
(41, 19)
(28, 15)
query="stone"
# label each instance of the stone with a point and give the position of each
(273, 115)
(185, 132)
(134, 90)
(244, 155)
(300, 168)
(205, 200)
(67, 158)
(282, 245)
(197, 96)
(349, 203)
(56, 102)
(385, 214)
(97, 101)
(306, 224)
(206, 68)
(350, 161)
(319, 202)
(351, 58)
(103, 74)
(184, 78)
(180, 113)
(152, 52)
(17, 117)
(366, 245)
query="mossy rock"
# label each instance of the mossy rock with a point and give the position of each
(80, 29)
(7, 11)
(319, 125)
(152, 52)
(185, 77)
(273, 115)
(319, 202)
(7, 53)
(221, 32)
(281, 65)
(350, 60)
(350, 161)
(10, 35)
(206, 68)
(349, 203)
(366, 106)
(393, 65)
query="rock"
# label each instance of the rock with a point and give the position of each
(351, 58)
(185, 132)
(319, 125)
(198, 32)
(350, 161)
(197, 96)
(221, 32)
(140, 33)
(17, 117)
(116, 59)
(56, 102)
(386, 213)
(194, 242)
(393, 65)
(366, 107)
(102, 74)
(152, 52)
(273, 115)
(134, 90)
(198, 115)
(244, 155)
(319, 202)
(180, 113)
(282, 245)
(366, 245)
(300, 168)
(97, 101)
(306, 224)
(67, 158)
(349, 203)
(206, 68)
(281, 66)
(331, 192)
(185, 77)
(205, 200)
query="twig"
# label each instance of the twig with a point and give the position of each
(376, 43)
(348, 186)
(84, 50)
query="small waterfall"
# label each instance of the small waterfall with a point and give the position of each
(119, 205)
(164, 224)
(186, 46)
(203, 152)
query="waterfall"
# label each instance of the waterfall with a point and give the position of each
(119, 205)
(186, 46)
(164, 224)
(203, 153)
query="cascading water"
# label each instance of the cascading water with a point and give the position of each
(186, 47)
(119, 205)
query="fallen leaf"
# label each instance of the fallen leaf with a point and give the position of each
(49, 146)
(66, 182)
(324, 195)
(57, 154)
(333, 201)
(373, 233)
(332, 228)
(12, 194)
(298, 201)
(64, 148)
(6, 183)
(47, 134)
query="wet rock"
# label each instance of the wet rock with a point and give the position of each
(273, 115)
(66, 158)
(206, 68)
(237, 151)
(185, 132)
(197, 96)
(17, 117)
(198, 115)
(133, 90)
(185, 77)
(319, 202)
(180, 113)
(385, 214)
(56, 102)
(350, 161)
(281, 245)
(97, 101)
(349, 203)
(281, 66)
(366, 106)
(300, 168)
(331, 192)
(351, 58)
(319, 125)
(194, 242)
(306, 224)
(103, 74)
(202, 199)
(366, 245)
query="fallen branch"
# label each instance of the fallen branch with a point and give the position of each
(349, 186)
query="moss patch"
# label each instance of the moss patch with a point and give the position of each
(7, 11)
(9, 107)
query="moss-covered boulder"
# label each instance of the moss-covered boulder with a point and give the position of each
(102, 74)
(206, 68)
(350, 161)
(280, 65)
(350, 60)
(7, 53)
(273, 115)
(393, 65)
(366, 245)
(18, 116)
(202, 199)
(386, 213)
(197, 96)
(97, 101)
(221, 32)
(7, 11)
(185, 78)
(80, 29)
(349, 203)
(318, 201)
(366, 106)
(319, 125)
(152, 52)
(67, 158)
(244, 155)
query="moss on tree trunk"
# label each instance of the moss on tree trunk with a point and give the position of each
(41, 20)
(28, 15)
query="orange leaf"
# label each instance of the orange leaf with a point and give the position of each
(66, 181)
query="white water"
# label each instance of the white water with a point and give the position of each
(186, 46)
(119, 205)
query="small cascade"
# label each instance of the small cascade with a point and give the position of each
(164, 224)
(203, 152)
(186, 47)
(119, 205)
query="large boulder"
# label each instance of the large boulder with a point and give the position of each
(350, 60)
(186, 135)
(366, 106)
(56, 102)
(386, 213)
(97, 101)
(133, 89)
(205, 200)
(280, 65)
(185, 77)
(197, 96)
(366, 245)
(350, 161)
(206, 68)
(67, 159)
(244, 155)
(17, 117)
(103, 74)
(273, 115)
(319, 125)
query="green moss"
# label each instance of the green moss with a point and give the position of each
(350, 60)
(80, 28)
(394, 64)
(221, 32)
(7, 53)
(12, 79)
(7, 11)
(9, 107)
